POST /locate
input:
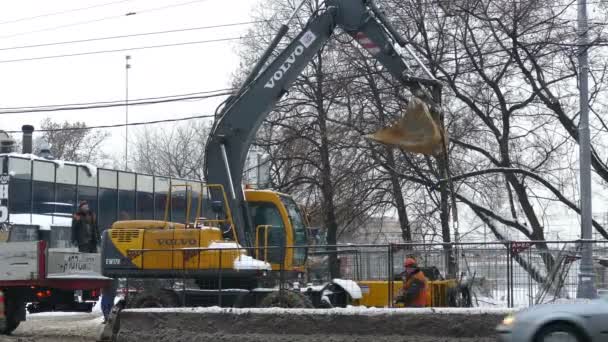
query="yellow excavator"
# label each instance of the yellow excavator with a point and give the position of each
(240, 241)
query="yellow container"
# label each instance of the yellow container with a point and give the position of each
(375, 293)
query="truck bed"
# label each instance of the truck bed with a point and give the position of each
(31, 263)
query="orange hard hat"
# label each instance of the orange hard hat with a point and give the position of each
(409, 262)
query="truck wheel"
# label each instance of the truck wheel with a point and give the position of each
(11, 313)
(154, 299)
(286, 299)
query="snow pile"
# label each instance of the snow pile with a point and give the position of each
(351, 310)
(53, 314)
(209, 228)
(245, 262)
(224, 245)
(97, 306)
(91, 169)
(349, 286)
(242, 262)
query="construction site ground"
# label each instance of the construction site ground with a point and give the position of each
(265, 326)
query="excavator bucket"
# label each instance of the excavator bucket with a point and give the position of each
(417, 131)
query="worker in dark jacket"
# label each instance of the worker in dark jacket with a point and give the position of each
(108, 294)
(85, 234)
(414, 291)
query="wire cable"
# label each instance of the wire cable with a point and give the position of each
(125, 49)
(115, 101)
(123, 104)
(131, 35)
(121, 125)
(12, 21)
(99, 19)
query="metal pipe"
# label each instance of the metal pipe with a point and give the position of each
(27, 138)
(426, 70)
(227, 166)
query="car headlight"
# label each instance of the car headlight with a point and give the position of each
(509, 320)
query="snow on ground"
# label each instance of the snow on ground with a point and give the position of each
(97, 306)
(53, 314)
(352, 310)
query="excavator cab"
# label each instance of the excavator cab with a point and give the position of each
(280, 236)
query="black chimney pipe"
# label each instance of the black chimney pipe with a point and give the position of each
(27, 138)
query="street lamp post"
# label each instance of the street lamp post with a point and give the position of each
(127, 67)
(586, 284)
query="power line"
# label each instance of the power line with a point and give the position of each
(125, 49)
(131, 35)
(61, 109)
(597, 43)
(121, 125)
(61, 12)
(116, 101)
(99, 19)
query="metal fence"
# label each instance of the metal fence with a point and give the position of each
(505, 274)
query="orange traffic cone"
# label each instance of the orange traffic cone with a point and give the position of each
(416, 131)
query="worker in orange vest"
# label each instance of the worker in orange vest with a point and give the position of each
(414, 291)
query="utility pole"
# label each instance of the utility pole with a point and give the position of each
(127, 67)
(586, 275)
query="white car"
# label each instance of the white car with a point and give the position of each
(583, 321)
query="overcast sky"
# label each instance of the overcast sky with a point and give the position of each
(101, 77)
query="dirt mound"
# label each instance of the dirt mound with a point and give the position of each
(183, 326)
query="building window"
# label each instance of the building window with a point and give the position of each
(44, 189)
(20, 186)
(87, 188)
(108, 198)
(126, 196)
(65, 195)
(161, 189)
(145, 197)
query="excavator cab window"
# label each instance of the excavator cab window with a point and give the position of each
(299, 230)
(267, 214)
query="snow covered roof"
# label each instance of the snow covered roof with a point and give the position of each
(91, 169)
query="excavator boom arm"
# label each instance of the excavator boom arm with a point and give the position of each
(239, 121)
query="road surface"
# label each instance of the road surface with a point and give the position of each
(57, 327)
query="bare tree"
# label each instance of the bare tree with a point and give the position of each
(73, 141)
(176, 152)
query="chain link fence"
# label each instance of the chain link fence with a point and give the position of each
(505, 274)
